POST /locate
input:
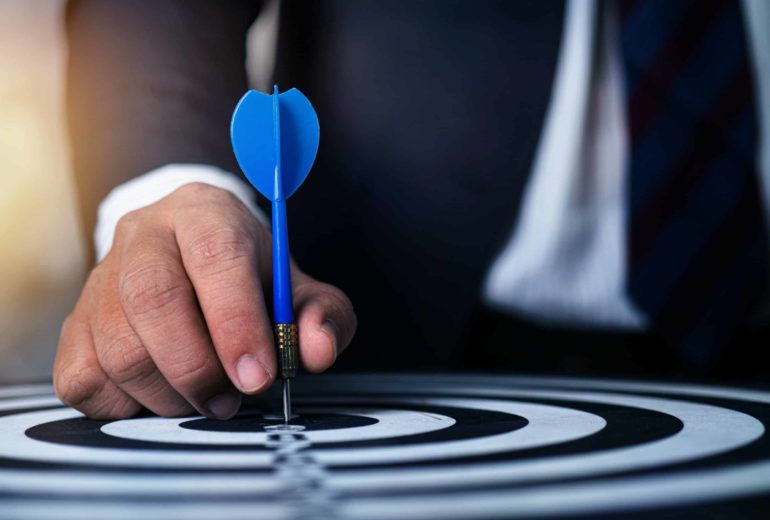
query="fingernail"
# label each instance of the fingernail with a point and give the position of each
(251, 374)
(223, 406)
(334, 333)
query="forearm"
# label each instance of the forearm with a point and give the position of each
(149, 84)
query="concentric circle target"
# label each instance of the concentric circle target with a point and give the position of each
(408, 446)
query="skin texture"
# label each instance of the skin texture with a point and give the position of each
(174, 318)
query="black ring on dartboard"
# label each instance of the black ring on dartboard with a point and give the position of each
(757, 450)
(457, 413)
(614, 435)
(739, 507)
(753, 452)
(72, 431)
(253, 421)
(470, 423)
(85, 432)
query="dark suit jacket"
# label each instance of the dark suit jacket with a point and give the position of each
(430, 113)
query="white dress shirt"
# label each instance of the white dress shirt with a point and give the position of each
(565, 260)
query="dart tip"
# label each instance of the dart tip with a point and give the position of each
(286, 401)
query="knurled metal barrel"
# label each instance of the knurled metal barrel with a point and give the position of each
(287, 346)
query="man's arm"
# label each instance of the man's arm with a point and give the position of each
(174, 317)
(151, 83)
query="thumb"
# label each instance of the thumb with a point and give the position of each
(326, 322)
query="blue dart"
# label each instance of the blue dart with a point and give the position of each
(275, 140)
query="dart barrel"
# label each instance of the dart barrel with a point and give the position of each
(287, 344)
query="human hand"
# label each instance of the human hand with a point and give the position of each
(174, 318)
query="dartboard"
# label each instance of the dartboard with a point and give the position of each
(400, 446)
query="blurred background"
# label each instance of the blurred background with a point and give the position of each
(41, 253)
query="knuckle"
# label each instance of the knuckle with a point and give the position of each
(150, 288)
(126, 361)
(64, 343)
(128, 223)
(337, 299)
(197, 191)
(221, 249)
(66, 325)
(98, 273)
(75, 385)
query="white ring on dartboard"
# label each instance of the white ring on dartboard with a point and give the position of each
(722, 430)
(390, 423)
(594, 496)
(547, 425)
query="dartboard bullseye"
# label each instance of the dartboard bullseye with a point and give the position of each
(372, 446)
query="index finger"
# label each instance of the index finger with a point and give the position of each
(222, 258)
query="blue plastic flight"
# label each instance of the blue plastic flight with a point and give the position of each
(275, 139)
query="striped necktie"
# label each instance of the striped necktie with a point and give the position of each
(697, 245)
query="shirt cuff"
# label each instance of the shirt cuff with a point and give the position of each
(156, 184)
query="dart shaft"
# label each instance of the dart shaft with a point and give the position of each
(286, 338)
(282, 298)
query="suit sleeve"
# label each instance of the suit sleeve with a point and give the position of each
(151, 83)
